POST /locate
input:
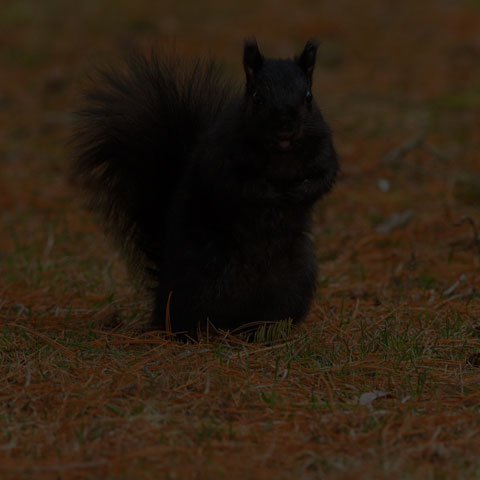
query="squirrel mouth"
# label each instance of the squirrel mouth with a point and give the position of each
(285, 140)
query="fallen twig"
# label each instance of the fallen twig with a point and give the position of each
(394, 156)
(396, 221)
(452, 288)
(470, 293)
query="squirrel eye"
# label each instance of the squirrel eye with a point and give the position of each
(308, 96)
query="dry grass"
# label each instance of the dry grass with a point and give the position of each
(383, 379)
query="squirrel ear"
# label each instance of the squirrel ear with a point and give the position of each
(252, 59)
(306, 61)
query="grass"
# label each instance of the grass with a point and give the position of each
(381, 381)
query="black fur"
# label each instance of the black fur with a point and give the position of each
(209, 192)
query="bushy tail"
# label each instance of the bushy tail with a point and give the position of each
(133, 140)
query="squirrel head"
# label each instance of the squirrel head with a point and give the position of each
(279, 105)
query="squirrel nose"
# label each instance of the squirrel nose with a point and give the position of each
(285, 123)
(285, 135)
(285, 119)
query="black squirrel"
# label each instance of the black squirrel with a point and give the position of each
(209, 190)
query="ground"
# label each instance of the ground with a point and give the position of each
(381, 381)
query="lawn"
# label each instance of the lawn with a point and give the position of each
(383, 378)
